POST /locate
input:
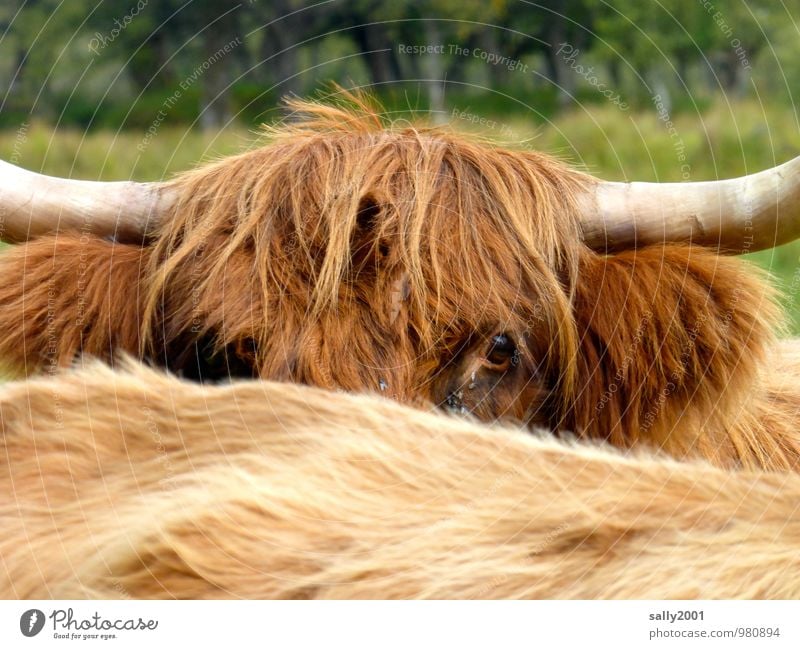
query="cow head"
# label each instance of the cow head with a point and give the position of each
(415, 262)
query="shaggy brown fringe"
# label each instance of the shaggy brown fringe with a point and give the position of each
(134, 484)
(290, 259)
(319, 226)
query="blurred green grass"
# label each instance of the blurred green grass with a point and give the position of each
(722, 140)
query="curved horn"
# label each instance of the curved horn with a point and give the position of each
(740, 215)
(32, 204)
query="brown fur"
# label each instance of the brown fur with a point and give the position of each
(355, 255)
(677, 351)
(66, 296)
(135, 484)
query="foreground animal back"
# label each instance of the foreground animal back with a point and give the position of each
(270, 490)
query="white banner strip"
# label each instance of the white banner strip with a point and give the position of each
(401, 625)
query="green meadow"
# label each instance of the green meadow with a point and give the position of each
(722, 140)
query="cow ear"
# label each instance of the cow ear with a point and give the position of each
(67, 295)
(665, 330)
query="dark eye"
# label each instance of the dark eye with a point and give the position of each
(502, 353)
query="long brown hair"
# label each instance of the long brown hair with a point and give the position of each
(352, 252)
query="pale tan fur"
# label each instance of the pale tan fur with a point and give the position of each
(135, 484)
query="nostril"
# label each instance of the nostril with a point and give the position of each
(502, 353)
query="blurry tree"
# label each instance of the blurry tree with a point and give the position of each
(660, 43)
(547, 25)
(36, 35)
(279, 28)
(97, 61)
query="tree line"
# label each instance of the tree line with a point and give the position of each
(95, 62)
